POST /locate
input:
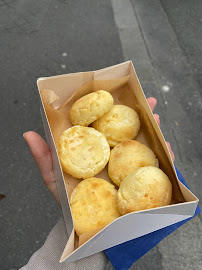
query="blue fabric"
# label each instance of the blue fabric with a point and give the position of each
(123, 256)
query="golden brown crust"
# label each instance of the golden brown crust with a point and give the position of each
(83, 151)
(129, 156)
(145, 188)
(93, 204)
(119, 123)
(90, 107)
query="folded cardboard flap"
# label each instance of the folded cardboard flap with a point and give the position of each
(64, 86)
(58, 95)
(86, 236)
(128, 227)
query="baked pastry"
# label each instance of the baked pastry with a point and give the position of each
(128, 156)
(83, 151)
(118, 124)
(90, 107)
(145, 188)
(93, 204)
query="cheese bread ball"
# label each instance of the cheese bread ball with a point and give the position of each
(90, 107)
(145, 188)
(93, 204)
(83, 151)
(118, 124)
(128, 156)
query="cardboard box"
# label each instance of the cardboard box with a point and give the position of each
(57, 94)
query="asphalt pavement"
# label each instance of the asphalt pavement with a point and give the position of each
(44, 38)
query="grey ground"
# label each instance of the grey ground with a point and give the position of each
(43, 38)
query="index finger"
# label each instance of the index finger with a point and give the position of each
(152, 103)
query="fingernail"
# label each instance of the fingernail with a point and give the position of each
(24, 134)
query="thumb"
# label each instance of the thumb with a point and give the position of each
(42, 156)
(40, 152)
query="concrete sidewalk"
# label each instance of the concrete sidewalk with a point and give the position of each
(44, 38)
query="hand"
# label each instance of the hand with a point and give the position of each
(152, 104)
(42, 154)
